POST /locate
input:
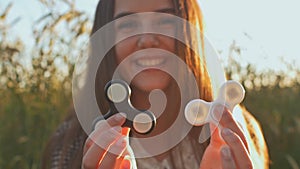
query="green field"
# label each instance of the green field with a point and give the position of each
(33, 101)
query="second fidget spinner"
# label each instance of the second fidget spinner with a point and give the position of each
(117, 93)
(198, 112)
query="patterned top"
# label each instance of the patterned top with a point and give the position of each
(182, 156)
(72, 150)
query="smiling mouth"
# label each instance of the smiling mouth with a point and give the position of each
(150, 62)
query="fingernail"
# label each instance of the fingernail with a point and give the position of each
(227, 131)
(120, 116)
(117, 128)
(97, 124)
(226, 153)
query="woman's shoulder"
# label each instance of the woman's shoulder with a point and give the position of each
(65, 145)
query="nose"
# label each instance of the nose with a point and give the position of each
(147, 41)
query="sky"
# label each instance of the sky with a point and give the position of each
(267, 31)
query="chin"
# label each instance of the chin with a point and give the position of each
(148, 81)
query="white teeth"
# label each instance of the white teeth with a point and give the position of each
(149, 62)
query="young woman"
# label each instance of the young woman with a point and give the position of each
(70, 146)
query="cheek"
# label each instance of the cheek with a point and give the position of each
(120, 52)
(124, 49)
(168, 44)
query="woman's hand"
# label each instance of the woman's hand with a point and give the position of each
(105, 148)
(231, 152)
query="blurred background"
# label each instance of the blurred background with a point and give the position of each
(41, 39)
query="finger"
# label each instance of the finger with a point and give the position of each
(103, 125)
(125, 131)
(226, 120)
(125, 160)
(123, 163)
(98, 149)
(115, 120)
(126, 164)
(113, 154)
(227, 159)
(87, 145)
(216, 139)
(238, 149)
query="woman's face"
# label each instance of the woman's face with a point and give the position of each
(140, 51)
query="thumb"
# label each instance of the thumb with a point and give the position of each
(126, 164)
(125, 131)
(124, 160)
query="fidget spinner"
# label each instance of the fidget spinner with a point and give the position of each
(199, 112)
(117, 93)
